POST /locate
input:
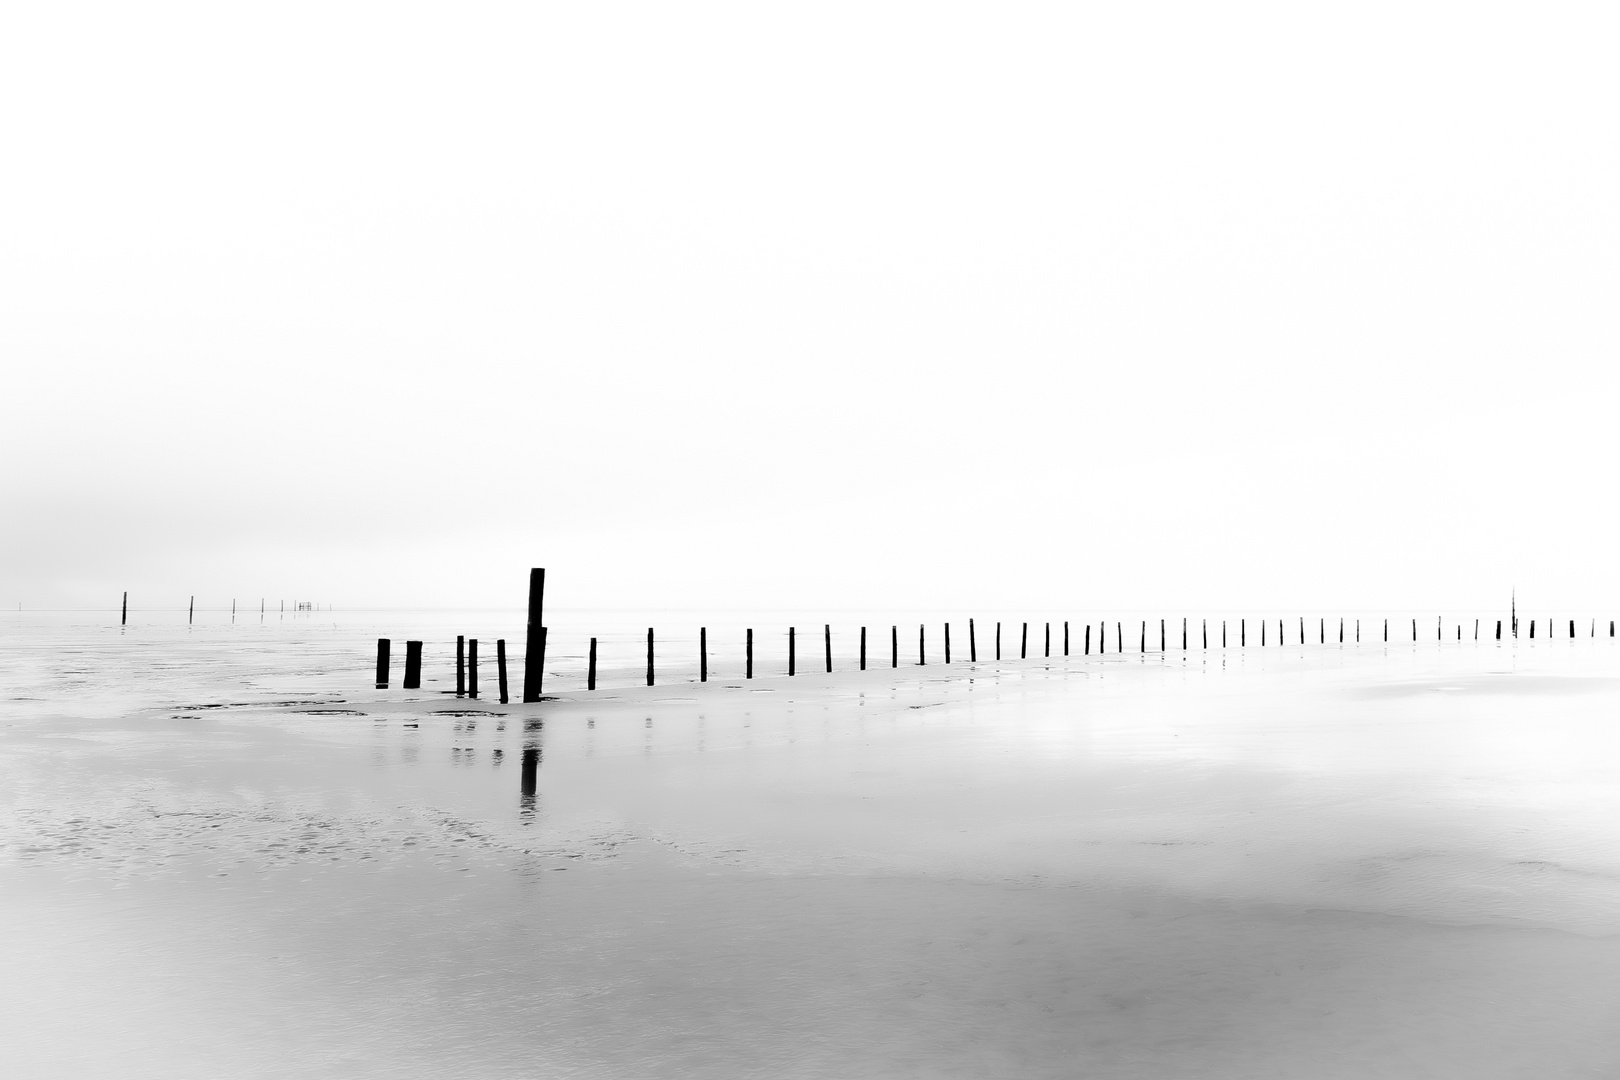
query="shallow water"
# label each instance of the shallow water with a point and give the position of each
(225, 852)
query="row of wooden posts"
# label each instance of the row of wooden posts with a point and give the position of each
(467, 649)
(191, 609)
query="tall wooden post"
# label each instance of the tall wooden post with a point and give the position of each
(191, 610)
(863, 648)
(1046, 647)
(1023, 644)
(382, 663)
(1162, 637)
(123, 612)
(590, 670)
(826, 635)
(500, 667)
(1065, 637)
(413, 666)
(792, 659)
(947, 643)
(921, 659)
(703, 654)
(472, 667)
(750, 654)
(1144, 637)
(973, 645)
(894, 646)
(533, 650)
(998, 641)
(649, 656)
(1498, 629)
(461, 666)
(1088, 640)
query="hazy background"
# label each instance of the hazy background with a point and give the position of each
(1098, 305)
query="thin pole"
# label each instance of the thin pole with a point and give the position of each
(1161, 636)
(461, 666)
(1023, 644)
(792, 659)
(413, 666)
(500, 667)
(998, 641)
(894, 646)
(973, 644)
(750, 668)
(472, 667)
(921, 659)
(947, 643)
(826, 636)
(863, 648)
(1047, 648)
(1088, 639)
(1262, 632)
(703, 654)
(191, 610)
(1184, 633)
(123, 612)
(1144, 637)
(649, 656)
(1065, 637)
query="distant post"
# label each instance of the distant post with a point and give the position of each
(534, 649)
(998, 641)
(382, 663)
(413, 666)
(1065, 637)
(749, 655)
(863, 648)
(590, 671)
(921, 653)
(649, 656)
(1088, 640)
(826, 639)
(894, 646)
(1048, 645)
(1023, 643)
(791, 658)
(947, 643)
(703, 654)
(973, 645)
(472, 667)
(123, 612)
(500, 666)
(191, 610)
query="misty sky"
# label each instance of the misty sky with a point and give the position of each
(1087, 305)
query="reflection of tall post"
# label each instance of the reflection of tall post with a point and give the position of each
(531, 775)
(534, 649)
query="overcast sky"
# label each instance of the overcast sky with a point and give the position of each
(914, 304)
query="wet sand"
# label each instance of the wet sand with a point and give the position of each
(1300, 862)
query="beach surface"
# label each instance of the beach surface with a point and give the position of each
(223, 853)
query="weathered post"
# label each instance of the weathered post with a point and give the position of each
(461, 666)
(947, 643)
(1262, 632)
(1088, 640)
(413, 666)
(921, 659)
(1119, 637)
(1206, 634)
(1144, 637)
(1532, 629)
(1243, 633)
(649, 656)
(533, 650)
(590, 668)
(1386, 630)
(1572, 628)
(1223, 633)
(1065, 637)
(1046, 648)
(500, 667)
(123, 612)
(826, 636)
(792, 648)
(703, 654)
(998, 641)
(863, 648)
(383, 645)
(894, 646)
(1184, 633)
(1498, 629)
(973, 644)
(472, 667)
(750, 655)
(191, 610)
(1162, 637)
(1023, 644)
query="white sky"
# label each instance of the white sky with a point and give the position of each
(942, 305)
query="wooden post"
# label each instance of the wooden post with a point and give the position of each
(1162, 637)
(947, 643)
(1023, 644)
(590, 670)
(649, 656)
(1262, 632)
(1184, 633)
(973, 644)
(1358, 631)
(1572, 628)
(863, 648)
(533, 650)
(921, 659)
(1144, 637)
(826, 636)
(191, 610)
(998, 641)
(1498, 629)
(1088, 639)
(500, 667)
(472, 667)
(1119, 637)
(1065, 637)
(382, 663)
(461, 666)
(1386, 631)
(703, 654)
(1243, 633)
(750, 654)
(1532, 629)
(413, 666)
(123, 612)
(1206, 634)
(1223, 633)
(1047, 647)
(1341, 629)
(894, 646)
(792, 659)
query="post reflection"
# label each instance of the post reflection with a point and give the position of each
(530, 781)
